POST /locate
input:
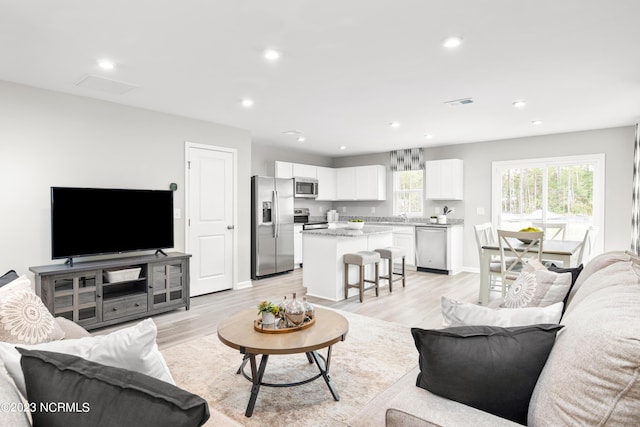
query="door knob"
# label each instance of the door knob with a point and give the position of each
(230, 227)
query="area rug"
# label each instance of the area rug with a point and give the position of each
(374, 356)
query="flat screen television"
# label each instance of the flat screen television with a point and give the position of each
(95, 221)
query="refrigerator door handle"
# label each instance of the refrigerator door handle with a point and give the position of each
(276, 214)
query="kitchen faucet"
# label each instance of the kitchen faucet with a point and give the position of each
(404, 216)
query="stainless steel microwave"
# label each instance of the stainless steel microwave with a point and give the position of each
(305, 187)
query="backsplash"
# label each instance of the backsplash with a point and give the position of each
(397, 219)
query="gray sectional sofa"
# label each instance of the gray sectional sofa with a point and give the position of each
(591, 377)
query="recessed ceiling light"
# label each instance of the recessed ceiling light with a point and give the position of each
(394, 124)
(301, 139)
(519, 104)
(536, 122)
(343, 147)
(428, 136)
(293, 132)
(105, 64)
(451, 42)
(247, 103)
(271, 55)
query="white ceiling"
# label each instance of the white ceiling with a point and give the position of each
(348, 67)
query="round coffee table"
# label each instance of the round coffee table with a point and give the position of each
(237, 332)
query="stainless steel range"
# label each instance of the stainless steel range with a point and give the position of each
(301, 216)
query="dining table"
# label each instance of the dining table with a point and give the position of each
(553, 250)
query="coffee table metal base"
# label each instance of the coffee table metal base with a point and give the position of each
(257, 373)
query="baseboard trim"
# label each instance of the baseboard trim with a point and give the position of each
(471, 269)
(244, 285)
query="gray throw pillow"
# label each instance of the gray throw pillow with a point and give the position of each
(8, 277)
(86, 393)
(487, 367)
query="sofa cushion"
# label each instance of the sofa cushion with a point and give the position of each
(592, 376)
(8, 277)
(457, 313)
(131, 348)
(490, 368)
(13, 413)
(96, 394)
(24, 319)
(596, 264)
(537, 287)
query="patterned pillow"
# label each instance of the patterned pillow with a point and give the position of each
(537, 287)
(24, 319)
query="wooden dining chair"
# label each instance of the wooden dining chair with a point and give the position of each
(586, 248)
(552, 230)
(485, 236)
(513, 260)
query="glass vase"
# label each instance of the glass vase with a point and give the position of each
(295, 312)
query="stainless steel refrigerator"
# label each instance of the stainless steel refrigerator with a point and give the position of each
(271, 226)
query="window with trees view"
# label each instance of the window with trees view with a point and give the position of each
(408, 192)
(555, 190)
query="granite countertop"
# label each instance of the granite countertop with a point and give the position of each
(347, 232)
(393, 221)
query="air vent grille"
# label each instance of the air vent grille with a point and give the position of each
(459, 102)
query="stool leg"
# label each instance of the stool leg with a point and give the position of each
(361, 281)
(346, 281)
(403, 273)
(377, 277)
(390, 275)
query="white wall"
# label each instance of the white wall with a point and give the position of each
(53, 139)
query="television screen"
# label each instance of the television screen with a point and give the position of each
(92, 221)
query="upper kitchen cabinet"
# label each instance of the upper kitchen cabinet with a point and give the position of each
(443, 179)
(284, 170)
(304, 171)
(326, 183)
(361, 183)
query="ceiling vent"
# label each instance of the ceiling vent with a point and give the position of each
(105, 85)
(459, 102)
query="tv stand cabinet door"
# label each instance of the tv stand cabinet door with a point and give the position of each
(169, 284)
(73, 296)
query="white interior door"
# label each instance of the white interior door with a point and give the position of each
(210, 218)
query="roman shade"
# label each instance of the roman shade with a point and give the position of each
(407, 160)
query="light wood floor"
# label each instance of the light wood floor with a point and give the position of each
(416, 305)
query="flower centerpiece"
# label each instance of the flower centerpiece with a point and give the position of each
(269, 312)
(355, 224)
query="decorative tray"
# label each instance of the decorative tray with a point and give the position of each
(274, 329)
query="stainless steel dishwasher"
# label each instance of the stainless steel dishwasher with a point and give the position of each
(431, 249)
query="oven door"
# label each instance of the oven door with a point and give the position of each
(306, 188)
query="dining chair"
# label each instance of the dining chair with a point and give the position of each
(485, 236)
(587, 244)
(552, 230)
(513, 260)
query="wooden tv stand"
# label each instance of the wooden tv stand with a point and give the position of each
(79, 293)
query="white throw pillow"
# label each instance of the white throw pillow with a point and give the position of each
(132, 348)
(457, 313)
(537, 287)
(24, 319)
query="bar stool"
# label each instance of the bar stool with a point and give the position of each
(361, 259)
(390, 253)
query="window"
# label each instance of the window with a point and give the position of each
(408, 192)
(560, 189)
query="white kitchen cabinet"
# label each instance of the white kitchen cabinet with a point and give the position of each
(297, 245)
(361, 183)
(346, 184)
(404, 236)
(304, 171)
(283, 169)
(444, 179)
(326, 183)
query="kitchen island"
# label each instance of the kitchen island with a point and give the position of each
(323, 272)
